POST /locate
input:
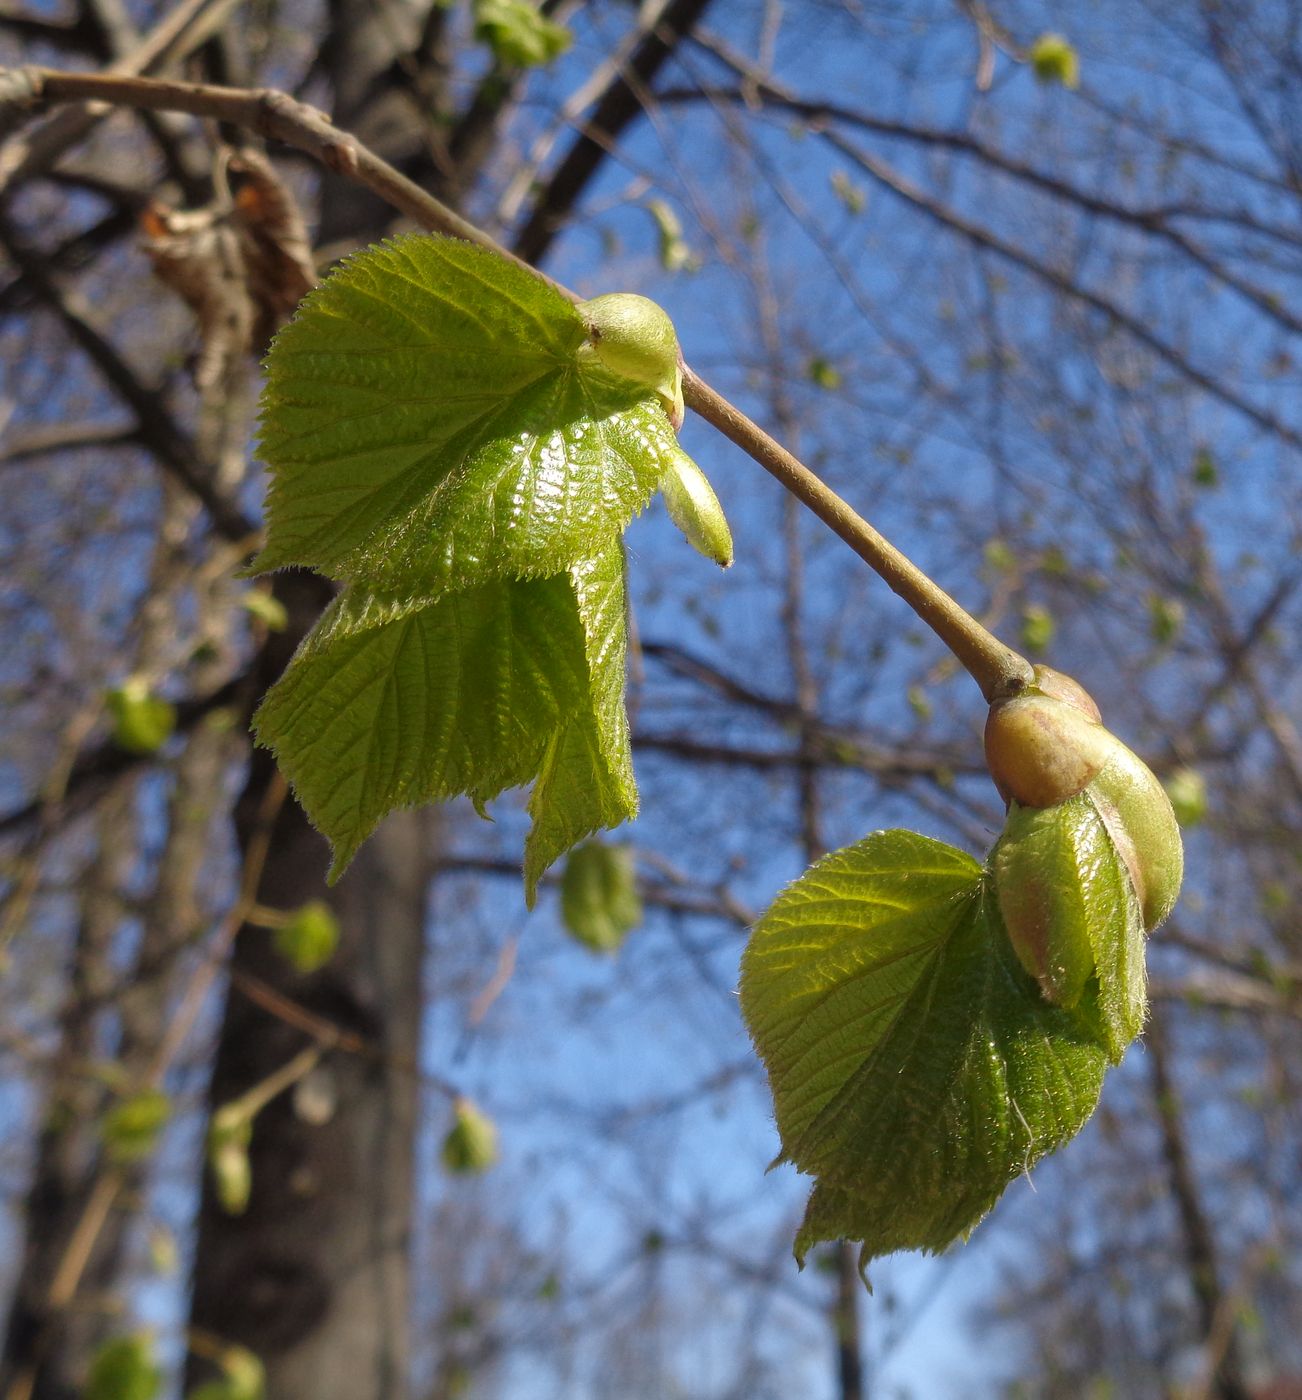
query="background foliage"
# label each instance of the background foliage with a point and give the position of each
(1037, 320)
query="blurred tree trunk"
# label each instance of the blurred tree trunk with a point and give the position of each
(312, 1277)
(67, 1147)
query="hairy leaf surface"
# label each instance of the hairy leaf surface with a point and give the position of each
(1071, 911)
(429, 426)
(392, 704)
(916, 1068)
(586, 782)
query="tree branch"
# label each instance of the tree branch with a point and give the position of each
(997, 669)
(156, 428)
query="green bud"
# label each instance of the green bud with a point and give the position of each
(1140, 819)
(309, 939)
(695, 509)
(1036, 864)
(142, 723)
(471, 1143)
(634, 338)
(1055, 60)
(1046, 745)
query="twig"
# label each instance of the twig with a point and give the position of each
(996, 668)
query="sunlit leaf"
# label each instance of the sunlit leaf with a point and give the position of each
(1055, 60)
(518, 34)
(916, 1068)
(395, 704)
(429, 425)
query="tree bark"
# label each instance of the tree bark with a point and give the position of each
(313, 1276)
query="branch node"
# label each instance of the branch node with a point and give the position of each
(21, 89)
(341, 157)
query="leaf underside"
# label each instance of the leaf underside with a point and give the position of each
(916, 1068)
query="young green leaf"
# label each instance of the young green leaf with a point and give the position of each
(132, 1126)
(695, 509)
(471, 1143)
(1072, 912)
(586, 782)
(309, 939)
(124, 1369)
(142, 723)
(391, 704)
(229, 1135)
(518, 34)
(429, 424)
(268, 610)
(1054, 60)
(1187, 790)
(916, 1069)
(675, 254)
(599, 898)
(244, 1378)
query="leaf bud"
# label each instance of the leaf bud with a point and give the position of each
(633, 337)
(1046, 744)
(1141, 821)
(695, 509)
(471, 1143)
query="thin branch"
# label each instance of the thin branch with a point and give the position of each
(617, 107)
(157, 429)
(996, 668)
(64, 437)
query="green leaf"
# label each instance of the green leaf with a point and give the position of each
(229, 1134)
(586, 782)
(1038, 628)
(695, 509)
(849, 193)
(916, 1069)
(429, 425)
(518, 34)
(1205, 471)
(823, 373)
(471, 1143)
(245, 1378)
(1165, 618)
(1055, 60)
(1069, 906)
(142, 723)
(675, 254)
(393, 704)
(1187, 790)
(599, 898)
(124, 1369)
(268, 610)
(131, 1127)
(309, 939)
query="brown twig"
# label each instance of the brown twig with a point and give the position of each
(996, 668)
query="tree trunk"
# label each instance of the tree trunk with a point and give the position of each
(312, 1277)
